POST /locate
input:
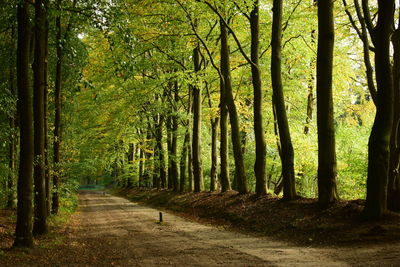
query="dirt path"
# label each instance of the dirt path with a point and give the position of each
(110, 231)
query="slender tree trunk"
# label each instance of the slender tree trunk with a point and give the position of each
(379, 140)
(174, 143)
(57, 118)
(394, 176)
(40, 219)
(169, 149)
(259, 165)
(287, 155)
(310, 96)
(183, 161)
(327, 192)
(23, 232)
(46, 135)
(214, 154)
(147, 163)
(131, 160)
(190, 167)
(234, 120)
(12, 161)
(196, 142)
(141, 164)
(223, 149)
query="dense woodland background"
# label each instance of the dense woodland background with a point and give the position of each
(291, 98)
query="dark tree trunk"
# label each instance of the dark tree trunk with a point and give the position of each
(141, 164)
(234, 120)
(46, 135)
(12, 161)
(57, 118)
(223, 149)
(183, 162)
(23, 233)
(394, 176)
(190, 187)
(40, 218)
(147, 163)
(214, 154)
(379, 141)
(196, 142)
(327, 192)
(259, 165)
(169, 149)
(174, 143)
(131, 160)
(287, 155)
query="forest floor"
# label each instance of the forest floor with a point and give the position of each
(207, 229)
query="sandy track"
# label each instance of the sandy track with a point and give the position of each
(109, 231)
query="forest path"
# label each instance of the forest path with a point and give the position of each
(111, 231)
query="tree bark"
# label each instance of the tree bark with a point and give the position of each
(12, 161)
(40, 218)
(223, 149)
(214, 154)
(46, 128)
(394, 177)
(196, 142)
(234, 120)
(259, 165)
(379, 140)
(287, 155)
(23, 232)
(174, 144)
(57, 118)
(327, 192)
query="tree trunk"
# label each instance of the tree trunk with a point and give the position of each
(287, 155)
(234, 120)
(57, 118)
(174, 143)
(259, 165)
(394, 177)
(141, 164)
(40, 219)
(46, 128)
(327, 192)
(196, 142)
(214, 154)
(223, 149)
(379, 140)
(23, 232)
(183, 161)
(170, 184)
(12, 161)
(131, 160)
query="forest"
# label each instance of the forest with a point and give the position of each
(296, 99)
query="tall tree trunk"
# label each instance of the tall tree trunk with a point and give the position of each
(147, 163)
(259, 165)
(327, 192)
(169, 149)
(131, 160)
(379, 140)
(287, 155)
(46, 128)
(214, 154)
(40, 218)
(57, 118)
(310, 96)
(394, 176)
(190, 187)
(141, 164)
(223, 149)
(196, 142)
(183, 161)
(234, 120)
(12, 161)
(174, 143)
(23, 232)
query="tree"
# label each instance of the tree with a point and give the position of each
(287, 155)
(327, 190)
(23, 233)
(379, 140)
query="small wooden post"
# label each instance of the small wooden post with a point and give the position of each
(161, 217)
